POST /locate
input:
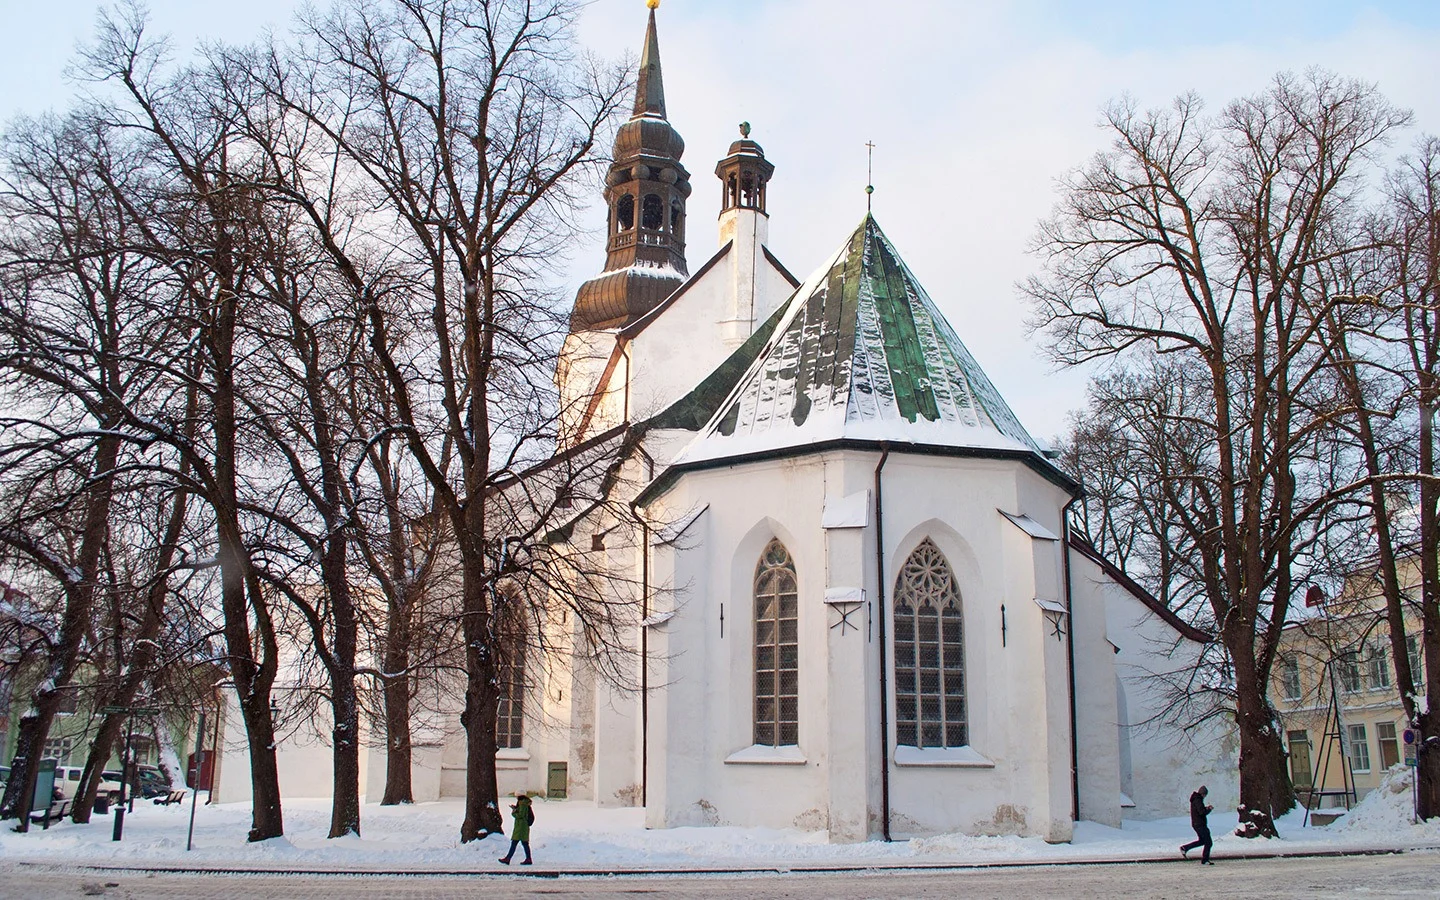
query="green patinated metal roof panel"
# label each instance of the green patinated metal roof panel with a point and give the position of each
(859, 351)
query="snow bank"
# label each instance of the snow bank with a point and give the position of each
(1389, 809)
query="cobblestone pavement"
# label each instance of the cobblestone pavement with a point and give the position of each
(1407, 875)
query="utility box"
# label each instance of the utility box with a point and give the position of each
(44, 785)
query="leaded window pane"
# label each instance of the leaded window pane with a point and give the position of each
(777, 650)
(765, 631)
(929, 650)
(510, 711)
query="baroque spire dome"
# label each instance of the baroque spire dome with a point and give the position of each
(645, 193)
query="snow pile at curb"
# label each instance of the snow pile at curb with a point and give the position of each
(1388, 809)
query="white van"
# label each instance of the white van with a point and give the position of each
(67, 783)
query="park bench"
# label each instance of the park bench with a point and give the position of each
(172, 797)
(57, 811)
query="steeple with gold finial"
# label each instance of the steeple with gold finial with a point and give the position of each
(645, 193)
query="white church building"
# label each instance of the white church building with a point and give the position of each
(863, 610)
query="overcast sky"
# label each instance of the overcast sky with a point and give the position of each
(976, 108)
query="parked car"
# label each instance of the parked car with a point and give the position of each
(152, 782)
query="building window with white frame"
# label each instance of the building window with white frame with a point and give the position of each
(1417, 660)
(1377, 668)
(929, 653)
(1290, 678)
(69, 702)
(1387, 743)
(1349, 671)
(58, 749)
(1358, 749)
(777, 649)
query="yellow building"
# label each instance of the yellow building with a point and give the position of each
(1334, 687)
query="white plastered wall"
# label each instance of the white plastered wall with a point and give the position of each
(683, 344)
(1099, 721)
(1158, 761)
(303, 754)
(1018, 691)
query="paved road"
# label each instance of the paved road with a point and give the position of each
(1408, 875)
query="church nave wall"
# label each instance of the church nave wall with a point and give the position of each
(1012, 773)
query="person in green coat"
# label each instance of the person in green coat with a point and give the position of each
(523, 815)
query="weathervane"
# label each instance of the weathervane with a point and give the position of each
(869, 171)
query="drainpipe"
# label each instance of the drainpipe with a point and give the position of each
(1070, 660)
(884, 646)
(644, 630)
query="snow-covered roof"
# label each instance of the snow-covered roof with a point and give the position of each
(861, 353)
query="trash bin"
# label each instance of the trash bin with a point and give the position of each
(102, 804)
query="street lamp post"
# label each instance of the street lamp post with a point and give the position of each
(125, 760)
(200, 754)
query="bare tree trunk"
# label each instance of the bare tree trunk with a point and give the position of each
(1265, 790)
(1428, 720)
(241, 595)
(345, 706)
(396, 686)
(482, 795)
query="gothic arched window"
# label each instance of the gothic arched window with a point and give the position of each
(625, 212)
(510, 706)
(777, 652)
(652, 212)
(929, 653)
(510, 673)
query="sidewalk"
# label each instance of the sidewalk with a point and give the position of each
(539, 871)
(576, 838)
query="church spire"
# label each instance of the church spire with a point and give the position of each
(645, 191)
(650, 89)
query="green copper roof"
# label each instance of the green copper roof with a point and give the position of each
(862, 352)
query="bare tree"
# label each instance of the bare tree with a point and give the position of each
(1200, 237)
(71, 332)
(338, 257)
(199, 218)
(1416, 197)
(402, 541)
(469, 124)
(1385, 349)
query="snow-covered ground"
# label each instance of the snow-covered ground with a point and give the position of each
(577, 836)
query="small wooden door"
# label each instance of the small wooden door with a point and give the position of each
(556, 780)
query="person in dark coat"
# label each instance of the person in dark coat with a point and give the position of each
(1199, 814)
(521, 812)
